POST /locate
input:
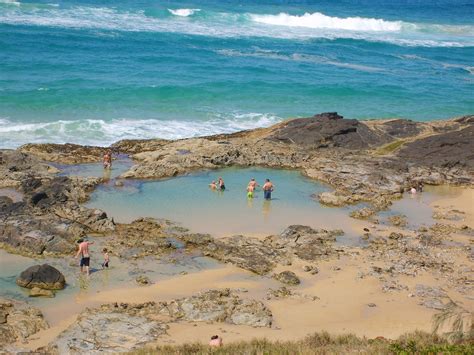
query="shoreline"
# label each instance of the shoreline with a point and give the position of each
(401, 277)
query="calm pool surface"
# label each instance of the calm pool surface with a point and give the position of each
(189, 200)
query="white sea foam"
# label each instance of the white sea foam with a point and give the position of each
(319, 20)
(227, 25)
(184, 12)
(297, 57)
(10, 2)
(103, 133)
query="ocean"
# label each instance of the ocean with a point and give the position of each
(94, 72)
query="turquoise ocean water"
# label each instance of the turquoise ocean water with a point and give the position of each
(89, 71)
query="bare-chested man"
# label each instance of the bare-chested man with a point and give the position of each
(85, 256)
(267, 189)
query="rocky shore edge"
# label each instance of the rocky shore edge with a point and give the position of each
(364, 161)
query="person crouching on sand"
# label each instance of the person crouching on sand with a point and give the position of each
(216, 341)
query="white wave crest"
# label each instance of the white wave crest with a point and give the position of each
(10, 2)
(183, 12)
(319, 20)
(103, 133)
(231, 25)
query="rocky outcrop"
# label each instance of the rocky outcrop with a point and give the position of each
(218, 306)
(107, 330)
(287, 277)
(328, 130)
(64, 153)
(447, 150)
(124, 327)
(18, 321)
(42, 276)
(261, 256)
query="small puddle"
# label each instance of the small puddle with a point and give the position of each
(189, 201)
(418, 207)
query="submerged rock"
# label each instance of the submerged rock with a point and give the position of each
(40, 292)
(42, 276)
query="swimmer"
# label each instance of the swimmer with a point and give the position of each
(221, 184)
(267, 189)
(213, 185)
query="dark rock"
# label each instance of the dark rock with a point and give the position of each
(287, 277)
(329, 130)
(442, 150)
(42, 276)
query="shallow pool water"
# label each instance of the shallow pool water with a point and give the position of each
(120, 165)
(189, 201)
(418, 208)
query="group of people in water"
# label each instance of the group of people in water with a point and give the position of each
(251, 187)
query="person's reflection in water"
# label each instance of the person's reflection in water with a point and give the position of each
(250, 202)
(266, 209)
(107, 174)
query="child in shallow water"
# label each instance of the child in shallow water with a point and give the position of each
(105, 264)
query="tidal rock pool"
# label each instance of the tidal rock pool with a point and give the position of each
(189, 201)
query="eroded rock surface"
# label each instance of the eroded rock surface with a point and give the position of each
(18, 321)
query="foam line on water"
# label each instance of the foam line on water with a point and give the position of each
(103, 133)
(225, 25)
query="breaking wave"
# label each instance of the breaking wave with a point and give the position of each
(183, 12)
(319, 20)
(225, 25)
(103, 132)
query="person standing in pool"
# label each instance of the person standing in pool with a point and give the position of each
(107, 160)
(250, 190)
(221, 184)
(267, 189)
(253, 183)
(85, 256)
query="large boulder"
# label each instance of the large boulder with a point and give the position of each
(42, 276)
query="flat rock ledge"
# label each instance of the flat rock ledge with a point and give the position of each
(124, 327)
(18, 321)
